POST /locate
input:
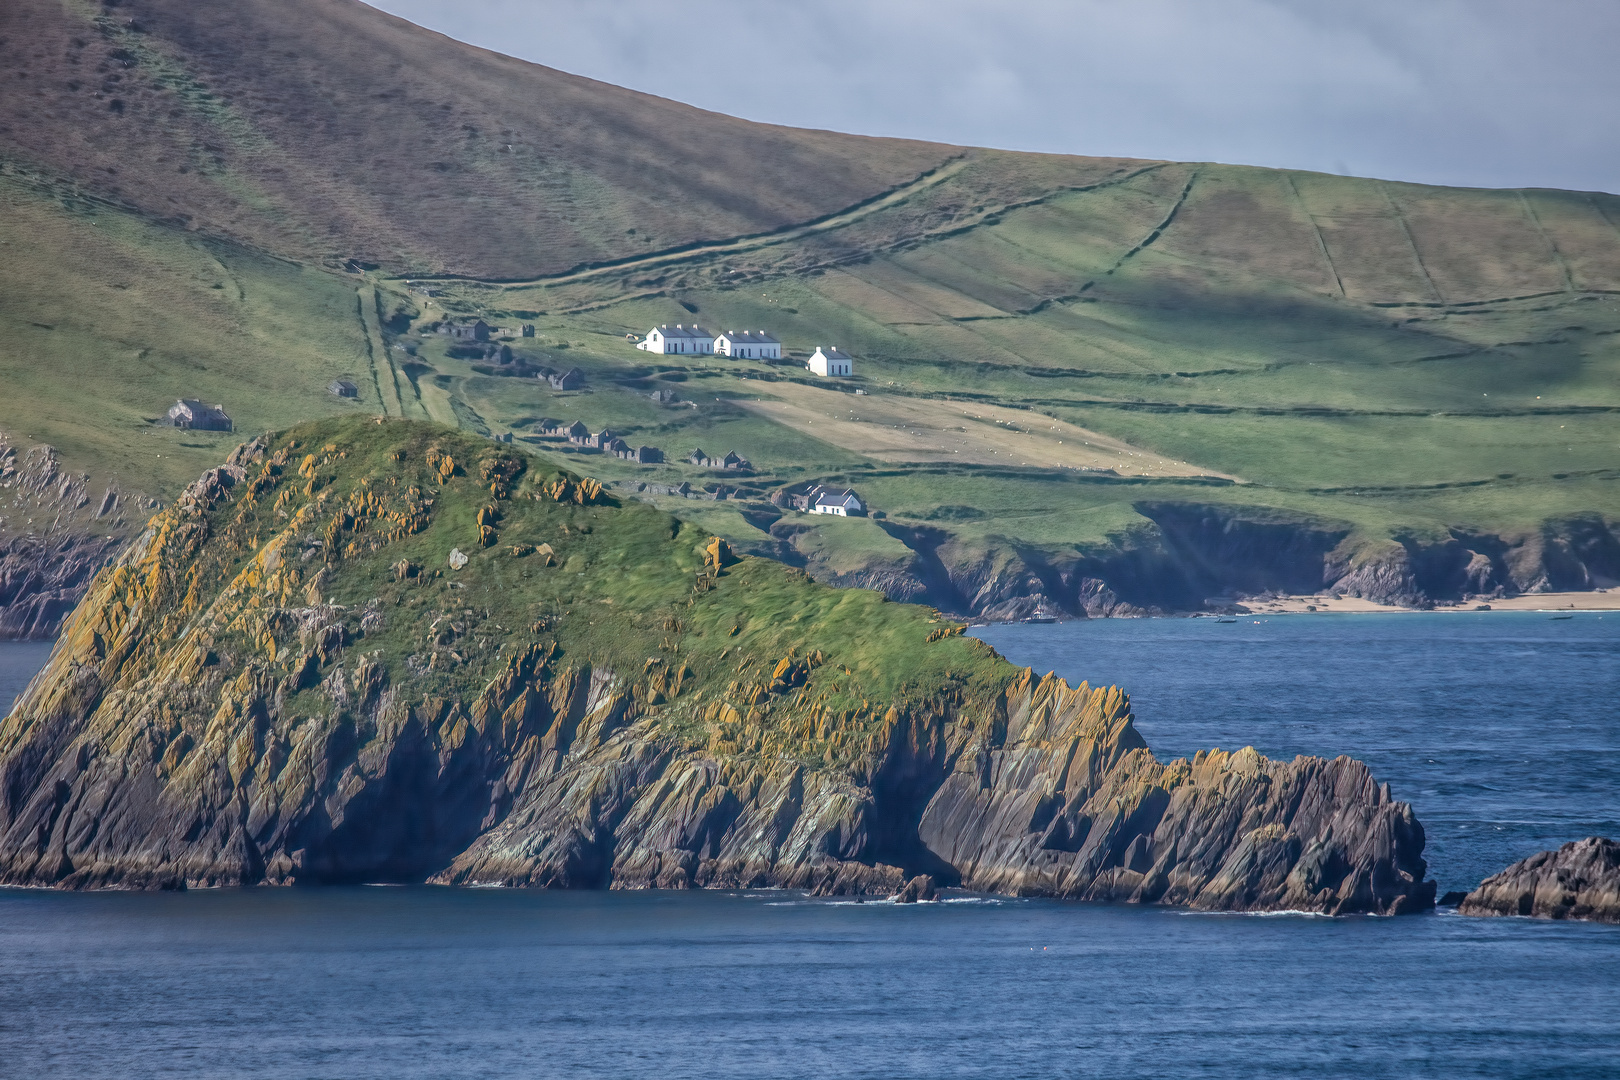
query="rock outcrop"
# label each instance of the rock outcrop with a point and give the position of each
(1192, 556)
(1070, 802)
(274, 684)
(55, 533)
(1581, 880)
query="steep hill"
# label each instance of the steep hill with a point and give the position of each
(327, 130)
(1091, 385)
(381, 650)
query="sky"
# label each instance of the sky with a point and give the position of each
(1482, 93)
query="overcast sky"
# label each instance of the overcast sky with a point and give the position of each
(1495, 93)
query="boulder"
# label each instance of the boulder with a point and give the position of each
(919, 888)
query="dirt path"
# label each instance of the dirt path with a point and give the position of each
(384, 379)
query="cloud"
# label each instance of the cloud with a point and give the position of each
(1472, 92)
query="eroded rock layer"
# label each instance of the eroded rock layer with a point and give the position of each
(1581, 880)
(369, 651)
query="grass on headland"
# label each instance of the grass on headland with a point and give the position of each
(364, 516)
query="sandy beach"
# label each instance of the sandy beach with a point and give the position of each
(1595, 600)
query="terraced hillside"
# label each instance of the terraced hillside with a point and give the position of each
(1091, 384)
(1067, 367)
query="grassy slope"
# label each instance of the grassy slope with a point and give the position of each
(1401, 358)
(1463, 376)
(108, 318)
(627, 589)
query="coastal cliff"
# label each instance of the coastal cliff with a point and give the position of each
(1194, 557)
(370, 650)
(1580, 880)
(55, 533)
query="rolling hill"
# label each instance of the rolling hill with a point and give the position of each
(1091, 384)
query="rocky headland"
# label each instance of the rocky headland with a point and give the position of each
(1580, 880)
(366, 650)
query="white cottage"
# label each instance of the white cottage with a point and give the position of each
(842, 503)
(748, 345)
(682, 339)
(829, 361)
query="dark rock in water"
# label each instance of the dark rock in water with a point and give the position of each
(1581, 880)
(919, 888)
(1452, 898)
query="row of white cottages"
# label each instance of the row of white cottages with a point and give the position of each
(743, 344)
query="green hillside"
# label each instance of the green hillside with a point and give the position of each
(1229, 321)
(1090, 384)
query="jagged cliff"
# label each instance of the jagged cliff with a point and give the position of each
(385, 651)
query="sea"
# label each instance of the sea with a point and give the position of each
(1501, 728)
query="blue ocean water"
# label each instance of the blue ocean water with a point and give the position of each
(1501, 729)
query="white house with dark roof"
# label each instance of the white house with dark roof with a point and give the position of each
(678, 339)
(842, 503)
(830, 361)
(748, 345)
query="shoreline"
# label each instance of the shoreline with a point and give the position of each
(1551, 602)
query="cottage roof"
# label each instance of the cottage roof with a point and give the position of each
(680, 330)
(193, 407)
(832, 352)
(828, 497)
(751, 337)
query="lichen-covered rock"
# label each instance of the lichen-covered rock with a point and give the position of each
(1580, 880)
(260, 690)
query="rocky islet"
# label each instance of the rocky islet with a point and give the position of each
(256, 693)
(1579, 880)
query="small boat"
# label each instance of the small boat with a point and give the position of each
(1040, 618)
(1226, 620)
(1560, 618)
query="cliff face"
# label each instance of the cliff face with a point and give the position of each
(1581, 880)
(1190, 556)
(385, 652)
(1072, 803)
(55, 533)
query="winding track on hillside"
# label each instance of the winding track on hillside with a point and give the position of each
(847, 216)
